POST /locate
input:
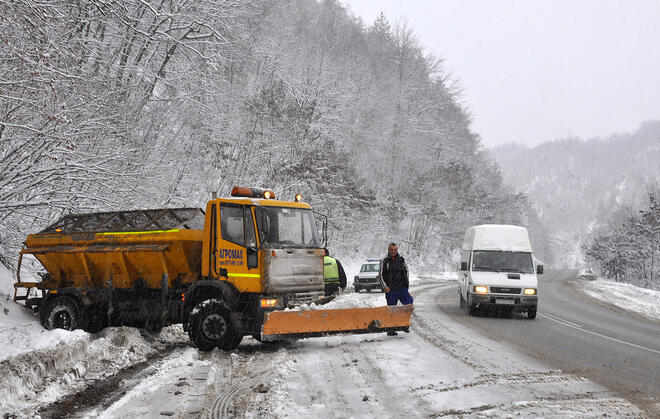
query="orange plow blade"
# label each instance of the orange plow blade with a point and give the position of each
(293, 324)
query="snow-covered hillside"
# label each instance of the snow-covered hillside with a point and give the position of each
(575, 185)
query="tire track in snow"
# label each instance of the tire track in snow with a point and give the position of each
(426, 325)
(104, 392)
(333, 369)
(377, 378)
(223, 403)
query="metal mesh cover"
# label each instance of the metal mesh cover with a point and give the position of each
(137, 220)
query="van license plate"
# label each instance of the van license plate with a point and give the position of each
(504, 301)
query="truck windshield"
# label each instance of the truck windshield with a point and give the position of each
(501, 261)
(289, 227)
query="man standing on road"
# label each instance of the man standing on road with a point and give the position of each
(395, 277)
(333, 274)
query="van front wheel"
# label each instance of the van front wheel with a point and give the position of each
(470, 308)
(531, 313)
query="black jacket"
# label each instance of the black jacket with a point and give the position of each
(395, 272)
(342, 275)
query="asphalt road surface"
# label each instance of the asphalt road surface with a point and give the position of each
(618, 350)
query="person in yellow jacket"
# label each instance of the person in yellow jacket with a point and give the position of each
(333, 273)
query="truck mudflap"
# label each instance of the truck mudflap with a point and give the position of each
(310, 323)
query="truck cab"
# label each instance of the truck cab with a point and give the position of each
(497, 270)
(263, 245)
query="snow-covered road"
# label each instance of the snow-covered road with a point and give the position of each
(439, 369)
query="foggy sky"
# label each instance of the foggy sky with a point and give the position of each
(535, 71)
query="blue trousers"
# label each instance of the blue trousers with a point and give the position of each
(401, 294)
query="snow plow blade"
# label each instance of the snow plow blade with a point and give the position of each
(310, 323)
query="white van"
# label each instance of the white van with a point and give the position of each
(497, 270)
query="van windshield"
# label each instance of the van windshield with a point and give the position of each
(501, 261)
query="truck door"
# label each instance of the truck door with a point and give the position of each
(237, 248)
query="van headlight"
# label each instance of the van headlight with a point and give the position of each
(480, 289)
(530, 291)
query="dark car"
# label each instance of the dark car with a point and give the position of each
(587, 274)
(369, 277)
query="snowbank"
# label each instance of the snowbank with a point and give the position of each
(38, 366)
(625, 296)
(442, 276)
(20, 330)
(61, 362)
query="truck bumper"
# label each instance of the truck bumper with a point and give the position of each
(517, 302)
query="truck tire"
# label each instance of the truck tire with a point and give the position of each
(231, 343)
(209, 326)
(153, 326)
(93, 318)
(61, 313)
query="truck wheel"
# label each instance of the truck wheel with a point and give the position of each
(531, 313)
(61, 313)
(153, 326)
(231, 343)
(210, 326)
(94, 319)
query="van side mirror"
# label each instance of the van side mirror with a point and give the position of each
(464, 266)
(539, 269)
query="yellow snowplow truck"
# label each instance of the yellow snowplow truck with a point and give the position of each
(242, 267)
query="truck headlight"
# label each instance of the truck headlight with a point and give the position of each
(481, 289)
(268, 302)
(530, 291)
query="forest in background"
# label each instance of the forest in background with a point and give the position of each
(627, 247)
(597, 199)
(109, 105)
